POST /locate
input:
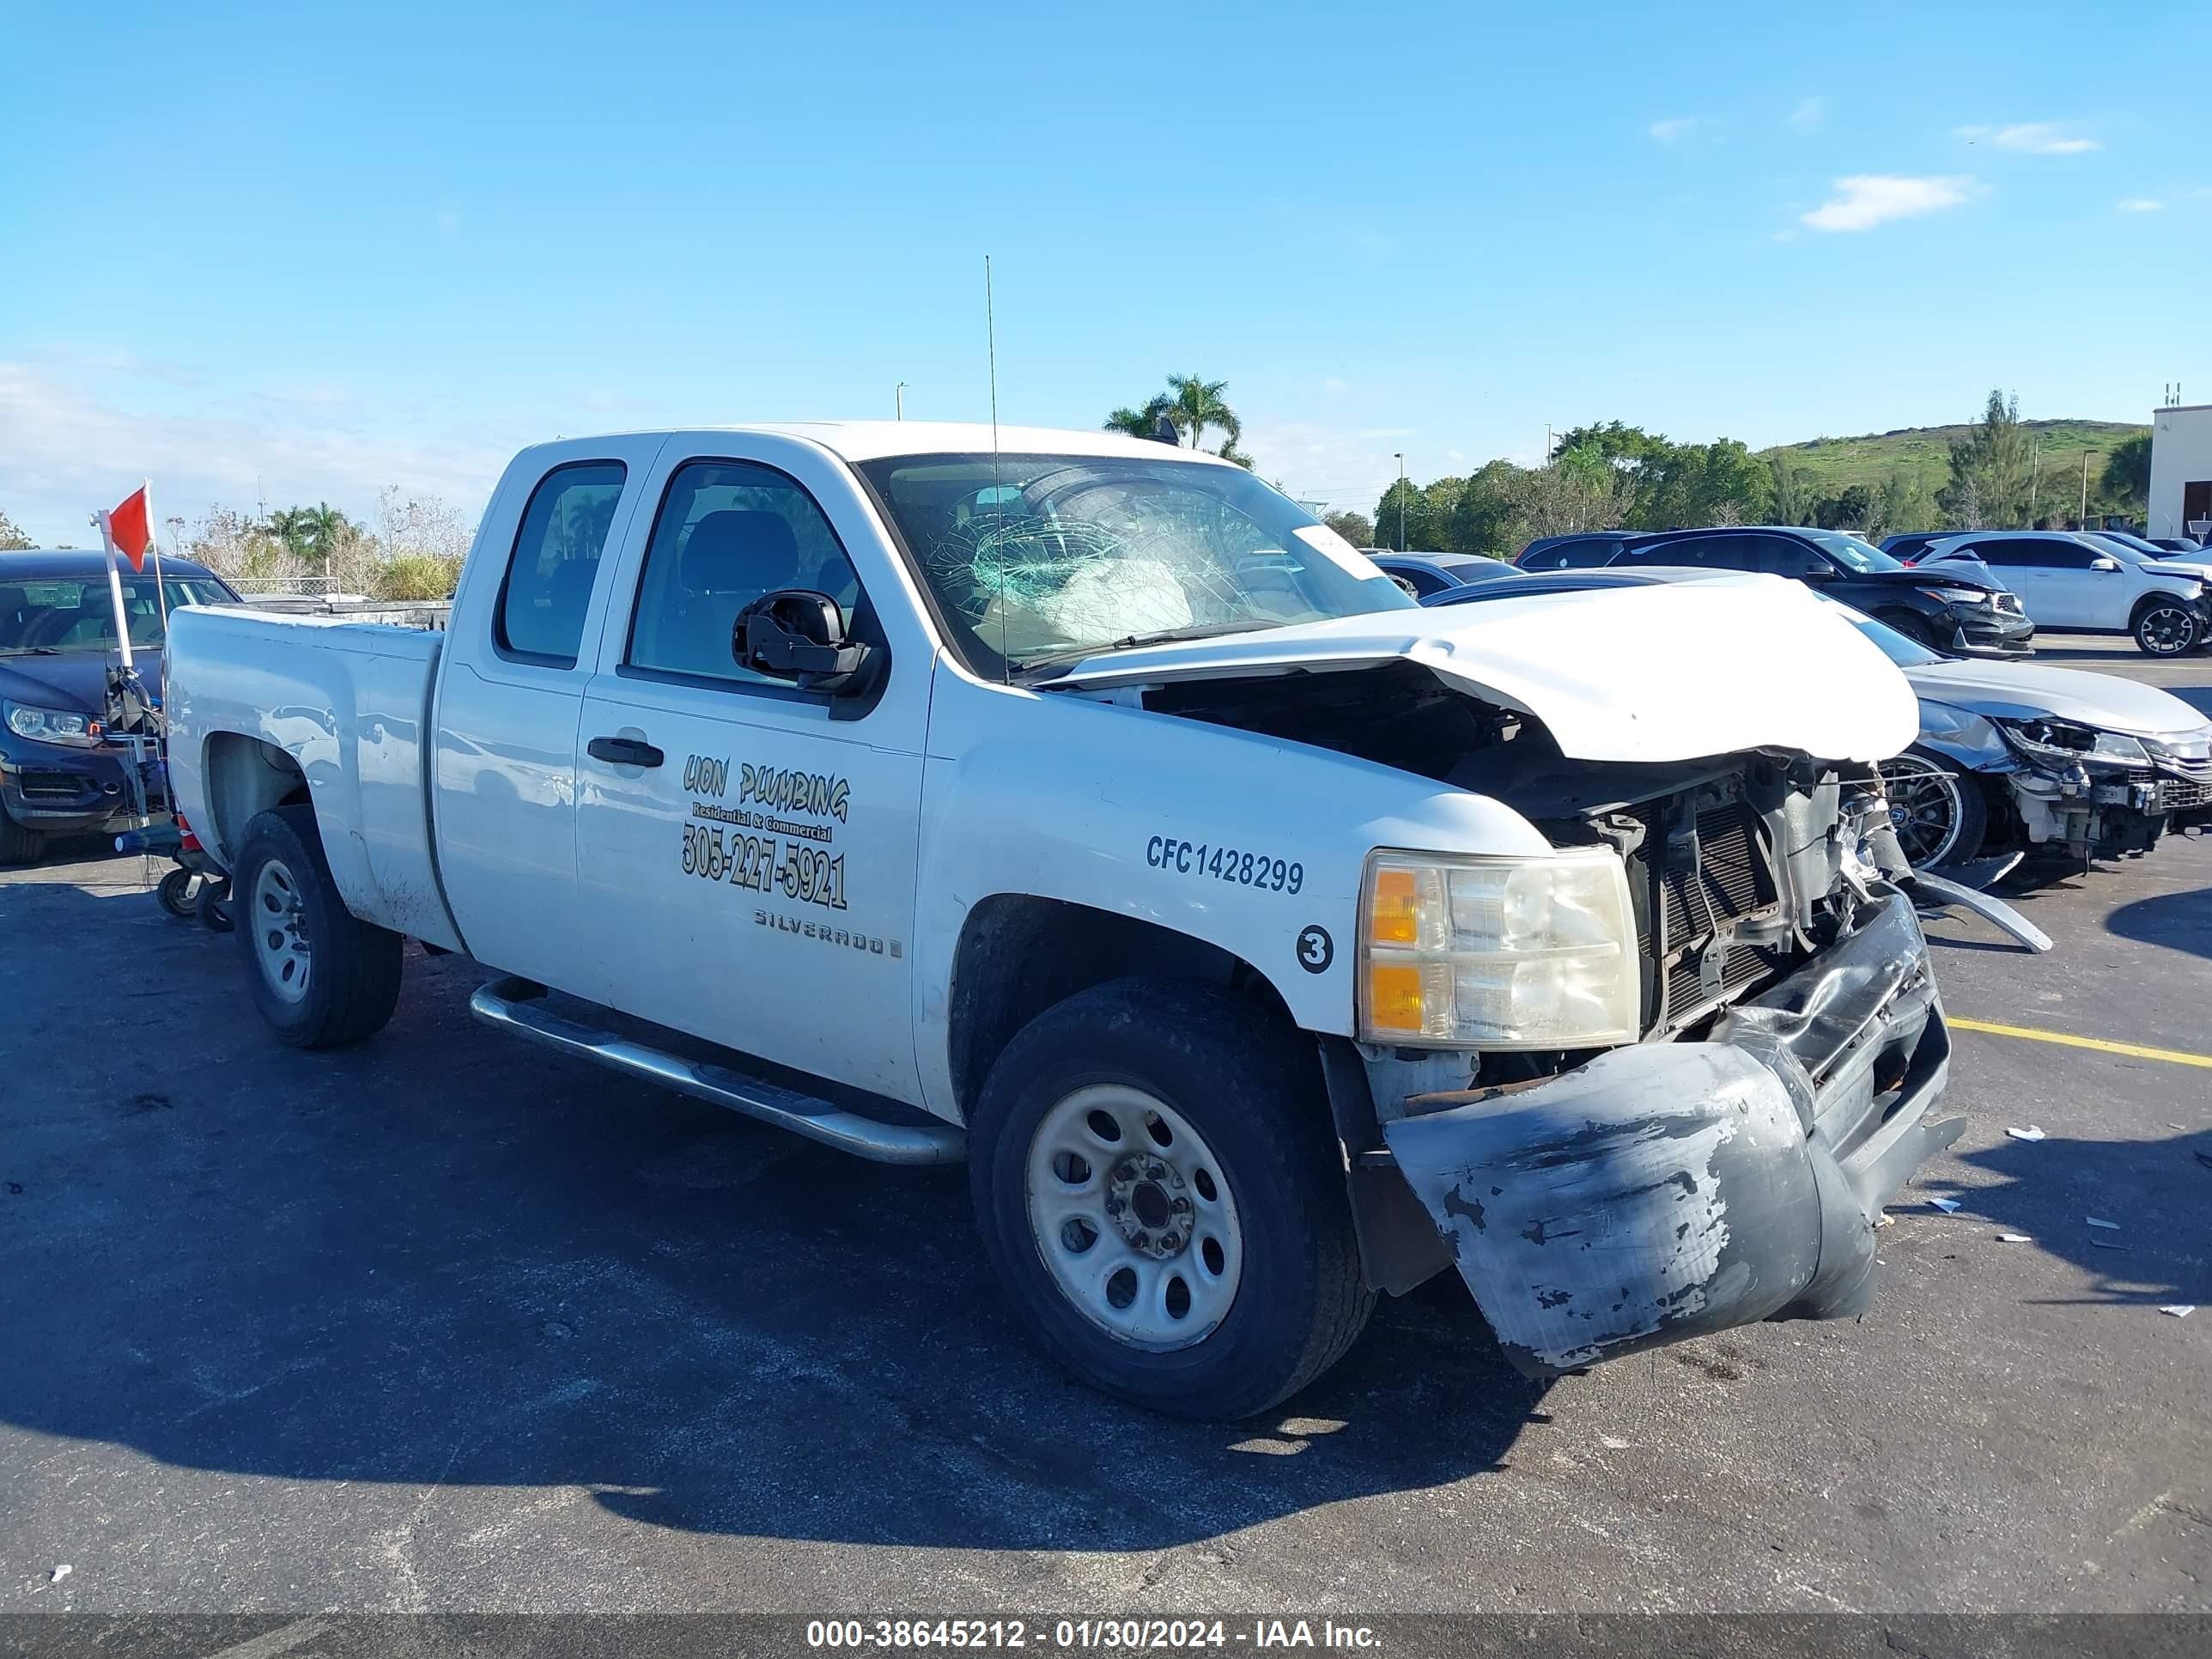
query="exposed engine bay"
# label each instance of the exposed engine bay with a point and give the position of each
(1741, 866)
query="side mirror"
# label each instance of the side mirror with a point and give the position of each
(2104, 564)
(795, 634)
(1816, 569)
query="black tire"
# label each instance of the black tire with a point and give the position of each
(350, 969)
(19, 844)
(1250, 1088)
(1920, 780)
(176, 894)
(2166, 627)
(214, 905)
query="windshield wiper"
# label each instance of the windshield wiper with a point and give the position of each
(1134, 641)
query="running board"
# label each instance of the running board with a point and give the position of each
(518, 1005)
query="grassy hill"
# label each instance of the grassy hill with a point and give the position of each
(1923, 455)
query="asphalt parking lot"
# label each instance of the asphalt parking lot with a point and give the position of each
(445, 1323)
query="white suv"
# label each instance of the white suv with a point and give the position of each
(2083, 584)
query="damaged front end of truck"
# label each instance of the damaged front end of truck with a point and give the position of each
(1655, 1148)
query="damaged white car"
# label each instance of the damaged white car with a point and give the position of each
(1083, 810)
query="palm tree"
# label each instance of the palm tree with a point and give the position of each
(326, 526)
(1193, 405)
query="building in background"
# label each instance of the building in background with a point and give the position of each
(2181, 471)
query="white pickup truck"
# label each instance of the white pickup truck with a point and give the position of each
(1082, 809)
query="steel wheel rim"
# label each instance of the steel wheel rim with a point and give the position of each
(277, 915)
(2168, 630)
(1925, 809)
(1137, 1227)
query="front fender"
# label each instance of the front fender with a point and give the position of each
(1960, 735)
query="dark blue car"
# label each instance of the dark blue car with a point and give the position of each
(59, 775)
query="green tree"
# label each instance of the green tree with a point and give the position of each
(1355, 527)
(11, 538)
(1143, 422)
(1483, 518)
(1789, 495)
(1415, 526)
(1695, 485)
(1194, 405)
(1989, 470)
(2125, 480)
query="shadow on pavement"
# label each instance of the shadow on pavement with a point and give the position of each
(2159, 1193)
(2174, 920)
(442, 1257)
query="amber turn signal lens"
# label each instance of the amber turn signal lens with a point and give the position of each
(1391, 919)
(1393, 997)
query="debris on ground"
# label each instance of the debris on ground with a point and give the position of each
(1613, 1443)
(2108, 1244)
(2178, 1309)
(2031, 1132)
(2015, 1238)
(2099, 1221)
(1946, 1205)
(60, 1573)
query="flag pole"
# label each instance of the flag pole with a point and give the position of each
(161, 587)
(115, 594)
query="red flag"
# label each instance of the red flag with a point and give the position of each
(128, 527)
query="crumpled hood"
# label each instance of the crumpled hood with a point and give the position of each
(1678, 672)
(2026, 691)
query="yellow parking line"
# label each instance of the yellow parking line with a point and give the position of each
(2173, 1056)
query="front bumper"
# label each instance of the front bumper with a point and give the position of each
(2105, 813)
(1993, 633)
(67, 792)
(1670, 1189)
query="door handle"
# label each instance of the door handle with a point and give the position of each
(623, 752)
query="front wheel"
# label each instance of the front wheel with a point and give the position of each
(1938, 814)
(2167, 627)
(18, 843)
(1162, 1196)
(321, 976)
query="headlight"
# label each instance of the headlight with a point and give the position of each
(2062, 740)
(51, 725)
(1960, 595)
(1465, 952)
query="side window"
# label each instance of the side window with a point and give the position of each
(2012, 553)
(1777, 556)
(555, 561)
(2073, 556)
(1707, 552)
(729, 532)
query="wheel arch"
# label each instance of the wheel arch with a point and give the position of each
(243, 776)
(1018, 955)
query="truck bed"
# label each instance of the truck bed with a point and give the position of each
(350, 702)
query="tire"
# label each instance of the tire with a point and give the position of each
(320, 976)
(176, 895)
(1238, 1154)
(18, 844)
(1935, 808)
(213, 907)
(2166, 628)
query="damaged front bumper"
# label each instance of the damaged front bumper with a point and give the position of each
(1670, 1189)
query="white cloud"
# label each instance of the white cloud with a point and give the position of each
(1674, 130)
(1811, 114)
(2138, 204)
(64, 451)
(2031, 138)
(1867, 199)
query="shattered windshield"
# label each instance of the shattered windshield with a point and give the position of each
(1038, 559)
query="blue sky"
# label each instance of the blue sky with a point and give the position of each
(253, 248)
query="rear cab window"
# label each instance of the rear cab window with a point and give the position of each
(554, 564)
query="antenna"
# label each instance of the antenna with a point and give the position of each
(998, 482)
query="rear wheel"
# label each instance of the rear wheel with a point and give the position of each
(321, 976)
(1939, 815)
(1162, 1196)
(2166, 627)
(18, 843)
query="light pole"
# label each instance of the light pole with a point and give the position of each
(1400, 458)
(898, 401)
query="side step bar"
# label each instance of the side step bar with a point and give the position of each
(518, 1005)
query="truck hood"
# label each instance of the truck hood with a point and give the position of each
(1661, 673)
(2008, 690)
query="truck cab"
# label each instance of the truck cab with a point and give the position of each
(1083, 810)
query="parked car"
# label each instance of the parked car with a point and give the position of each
(2168, 545)
(2011, 757)
(2134, 549)
(1419, 575)
(1088, 812)
(2053, 762)
(2072, 580)
(1572, 552)
(1906, 546)
(59, 775)
(1964, 610)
